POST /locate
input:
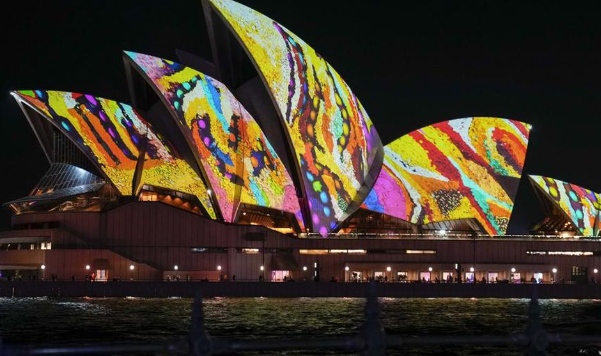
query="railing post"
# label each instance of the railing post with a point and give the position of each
(200, 342)
(372, 330)
(538, 339)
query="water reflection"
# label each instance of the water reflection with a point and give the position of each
(58, 321)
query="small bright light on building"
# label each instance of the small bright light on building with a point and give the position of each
(512, 269)
(219, 268)
(429, 269)
(87, 267)
(388, 269)
(131, 267)
(554, 270)
(596, 270)
(304, 268)
(315, 265)
(471, 269)
(442, 232)
(176, 267)
(346, 268)
(244, 213)
(43, 266)
(262, 268)
(456, 265)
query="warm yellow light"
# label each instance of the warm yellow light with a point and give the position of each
(219, 268)
(262, 268)
(131, 267)
(388, 268)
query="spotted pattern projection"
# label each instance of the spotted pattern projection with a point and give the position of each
(457, 169)
(239, 161)
(113, 135)
(333, 139)
(580, 205)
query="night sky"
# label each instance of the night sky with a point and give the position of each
(412, 65)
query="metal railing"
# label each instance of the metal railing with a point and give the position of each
(371, 340)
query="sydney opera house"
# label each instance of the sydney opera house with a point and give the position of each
(261, 163)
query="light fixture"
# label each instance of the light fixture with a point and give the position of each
(471, 269)
(87, 267)
(209, 191)
(346, 268)
(429, 269)
(512, 269)
(131, 267)
(388, 269)
(176, 267)
(595, 271)
(262, 268)
(304, 268)
(554, 270)
(43, 266)
(219, 268)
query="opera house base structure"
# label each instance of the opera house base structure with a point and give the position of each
(262, 165)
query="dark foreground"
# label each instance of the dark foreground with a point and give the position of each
(80, 321)
(293, 290)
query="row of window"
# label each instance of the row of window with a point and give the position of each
(250, 250)
(564, 253)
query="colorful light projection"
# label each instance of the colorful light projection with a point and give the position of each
(113, 135)
(580, 205)
(458, 169)
(333, 138)
(239, 161)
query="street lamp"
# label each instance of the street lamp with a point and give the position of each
(595, 271)
(471, 269)
(429, 269)
(176, 267)
(388, 269)
(304, 268)
(346, 268)
(512, 269)
(262, 268)
(43, 267)
(131, 267)
(87, 267)
(219, 268)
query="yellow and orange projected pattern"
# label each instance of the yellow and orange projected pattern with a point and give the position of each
(458, 169)
(113, 135)
(334, 141)
(238, 160)
(580, 205)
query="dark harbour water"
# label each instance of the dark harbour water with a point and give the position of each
(47, 321)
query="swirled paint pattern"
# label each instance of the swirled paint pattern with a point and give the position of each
(333, 139)
(580, 205)
(457, 169)
(113, 135)
(239, 161)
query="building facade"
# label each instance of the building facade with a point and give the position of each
(263, 164)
